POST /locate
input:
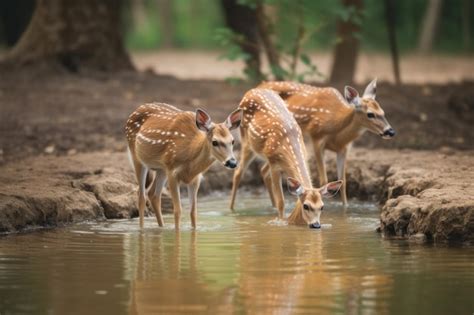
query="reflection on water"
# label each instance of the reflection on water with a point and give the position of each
(233, 263)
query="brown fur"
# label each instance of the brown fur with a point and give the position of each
(166, 140)
(332, 123)
(269, 130)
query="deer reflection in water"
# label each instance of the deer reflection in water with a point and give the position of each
(273, 272)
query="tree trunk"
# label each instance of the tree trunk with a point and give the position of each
(347, 49)
(165, 11)
(14, 18)
(428, 29)
(390, 18)
(243, 20)
(77, 35)
(265, 32)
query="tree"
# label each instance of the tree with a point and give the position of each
(14, 18)
(242, 19)
(76, 35)
(390, 18)
(428, 28)
(166, 19)
(265, 30)
(347, 48)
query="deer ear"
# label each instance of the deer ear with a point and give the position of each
(234, 119)
(294, 186)
(330, 189)
(352, 96)
(371, 89)
(203, 120)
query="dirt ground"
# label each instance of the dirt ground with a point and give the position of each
(61, 113)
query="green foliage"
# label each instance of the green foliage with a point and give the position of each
(228, 39)
(291, 19)
(195, 23)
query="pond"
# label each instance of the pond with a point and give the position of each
(240, 262)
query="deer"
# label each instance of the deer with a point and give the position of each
(176, 147)
(332, 121)
(269, 130)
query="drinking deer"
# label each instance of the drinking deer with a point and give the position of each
(269, 130)
(178, 146)
(333, 122)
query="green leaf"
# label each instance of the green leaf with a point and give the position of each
(305, 59)
(279, 72)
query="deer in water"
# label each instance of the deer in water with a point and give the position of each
(178, 146)
(269, 130)
(333, 122)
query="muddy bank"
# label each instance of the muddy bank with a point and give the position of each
(61, 113)
(51, 191)
(424, 195)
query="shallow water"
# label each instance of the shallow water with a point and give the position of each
(234, 263)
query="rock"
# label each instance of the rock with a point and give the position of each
(51, 208)
(51, 191)
(418, 238)
(432, 195)
(49, 149)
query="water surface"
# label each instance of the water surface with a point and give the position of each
(239, 262)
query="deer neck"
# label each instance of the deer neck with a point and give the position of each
(200, 157)
(296, 216)
(353, 128)
(301, 173)
(295, 165)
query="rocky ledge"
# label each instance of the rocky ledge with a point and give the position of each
(425, 195)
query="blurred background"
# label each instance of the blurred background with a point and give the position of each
(72, 71)
(409, 40)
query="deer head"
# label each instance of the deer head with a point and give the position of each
(219, 137)
(311, 200)
(368, 110)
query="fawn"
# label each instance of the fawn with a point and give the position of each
(178, 146)
(333, 122)
(269, 130)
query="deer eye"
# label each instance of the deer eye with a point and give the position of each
(370, 115)
(233, 142)
(215, 143)
(306, 207)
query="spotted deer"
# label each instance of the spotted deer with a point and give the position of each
(332, 121)
(178, 146)
(269, 130)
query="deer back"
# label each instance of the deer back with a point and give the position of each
(162, 136)
(273, 133)
(318, 110)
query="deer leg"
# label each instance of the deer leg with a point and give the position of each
(142, 174)
(278, 193)
(193, 188)
(319, 156)
(341, 173)
(265, 172)
(173, 185)
(246, 157)
(154, 194)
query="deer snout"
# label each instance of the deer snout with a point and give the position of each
(389, 133)
(315, 225)
(231, 163)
